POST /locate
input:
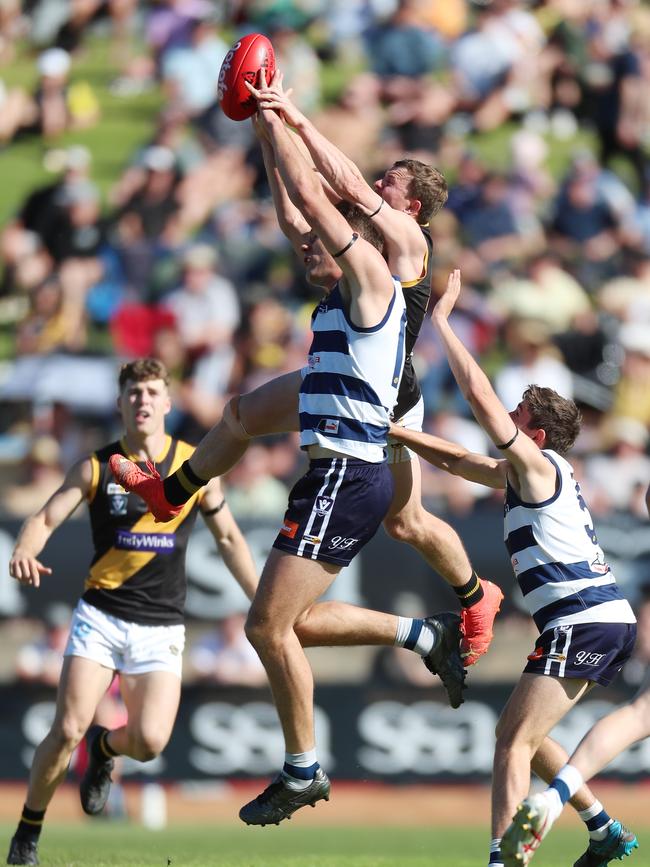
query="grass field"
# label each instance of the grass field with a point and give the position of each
(101, 844)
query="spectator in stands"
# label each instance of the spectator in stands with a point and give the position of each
(207, 313)
(225, 656)
(625, 459)
(532, 357)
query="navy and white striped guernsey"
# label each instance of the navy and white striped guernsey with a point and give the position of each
(557, 560)
(350, 384)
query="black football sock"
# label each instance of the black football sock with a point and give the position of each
(471, 593)
(182, 485)
(100, 748)
(30, 825)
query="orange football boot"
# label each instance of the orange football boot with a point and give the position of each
(149, 486)
(477, 621)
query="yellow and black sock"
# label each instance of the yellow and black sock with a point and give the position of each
(471, 593)
(30, 825)
(182, 484)
(100, 748)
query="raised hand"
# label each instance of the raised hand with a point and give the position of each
(272, 96)
(449, 297)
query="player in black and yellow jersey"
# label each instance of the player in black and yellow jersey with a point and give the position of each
(130, 617)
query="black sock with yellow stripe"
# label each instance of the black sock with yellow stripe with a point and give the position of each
(101, 749)
(471, 593)
(182, 484)
(30, 825)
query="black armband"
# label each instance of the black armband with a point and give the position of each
(354, 238)
(509, 443)
(206, 514)
(374, 213)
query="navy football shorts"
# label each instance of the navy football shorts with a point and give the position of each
(335, 508)
(594, 651)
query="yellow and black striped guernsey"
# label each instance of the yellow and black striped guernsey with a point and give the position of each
(138, 570)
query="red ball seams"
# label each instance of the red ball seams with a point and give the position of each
(243, 63)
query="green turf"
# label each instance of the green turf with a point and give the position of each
(96, 844)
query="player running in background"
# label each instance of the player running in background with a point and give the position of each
(609, 737)
(130, 618)
(401, 205)
(587, 629)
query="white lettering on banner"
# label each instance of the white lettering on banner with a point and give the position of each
(427, 738)
(246, 738)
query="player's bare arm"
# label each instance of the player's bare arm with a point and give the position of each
(367, 277)
(531, 474)
(453, 458)
(406, 246)
(24, 565)
(229, 538)
(291, 221)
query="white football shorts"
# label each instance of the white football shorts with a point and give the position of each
(398, 453)
(130, 648)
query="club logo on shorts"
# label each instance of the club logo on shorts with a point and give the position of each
(289, 529)
(174, 650)
(323, 506)
(118, 499)
(342, 543)
(586, 657)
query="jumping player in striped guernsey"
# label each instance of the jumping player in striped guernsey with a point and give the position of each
(130, 617)
(401, 205)
(587, 628)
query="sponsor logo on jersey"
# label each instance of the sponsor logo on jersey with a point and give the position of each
(159, 543)
(289, 529)
(329, 425)
(323, 506)
(313, 360)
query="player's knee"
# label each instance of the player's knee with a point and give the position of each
(401, 528)
(147, 745)
(233, 422)
(68, 734)
(303, 628)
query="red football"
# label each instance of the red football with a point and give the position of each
(243, 63)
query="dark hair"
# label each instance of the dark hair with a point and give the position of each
(427, 184)
(142, 370)
(362, 224)
(559, 417)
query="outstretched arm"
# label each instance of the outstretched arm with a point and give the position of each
(533, 474)
(291, 221)
(402, 233)
(453, 458)
(24, 565)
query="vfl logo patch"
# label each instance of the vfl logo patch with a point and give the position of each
(118, 499)
(159, 543)
(289, 529)
(313, 360)
(323, 506)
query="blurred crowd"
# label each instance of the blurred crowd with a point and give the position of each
(535, 110)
